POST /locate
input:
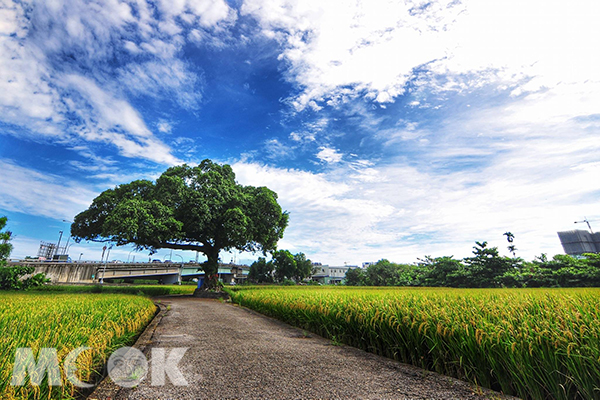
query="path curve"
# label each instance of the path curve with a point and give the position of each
(235, 353)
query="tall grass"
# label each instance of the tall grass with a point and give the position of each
(532, 343)
(103, 322)
(144, 290)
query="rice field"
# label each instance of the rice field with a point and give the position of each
(530, 343)
(144, 290)
(66, 321)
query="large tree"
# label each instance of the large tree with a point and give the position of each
(289, 266)
(261, 271)
(198, 208)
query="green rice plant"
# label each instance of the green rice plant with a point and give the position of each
(66, 321)
(145, 290)
(532, 343)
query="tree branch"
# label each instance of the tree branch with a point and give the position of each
(179, 246)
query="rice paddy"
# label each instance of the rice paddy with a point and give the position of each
(144, 290)
(531, 343)
(66, 321)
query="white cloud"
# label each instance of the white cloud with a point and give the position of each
(327, 218)
(57, 62)
(277, 150)
(115, 121)
(164, 126)
(337, 50)
(482, 174)
(329, 155)
(207, 13)
(160, 79)
(31, 192)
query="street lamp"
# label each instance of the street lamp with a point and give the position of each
(67, 248)
(130, 254)
(69, 238)
(79, 258)
(180, 269)
(105, 261)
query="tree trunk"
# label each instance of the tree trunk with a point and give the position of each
(211, 271)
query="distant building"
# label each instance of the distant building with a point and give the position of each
(366, 265)
(577, 242)
(333, 275)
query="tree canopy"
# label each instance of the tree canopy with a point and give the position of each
(198, 208)
(261, 271)
(284, 266)
(5, 236)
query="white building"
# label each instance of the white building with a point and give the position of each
(326, 274)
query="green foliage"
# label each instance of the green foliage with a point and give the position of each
(383, 273)
(355, 277)
(13, 277)
(304, 267)
(485, 267)
(441, 271)
(198, 208)
(285, 267)
(288, 266)
(261, 271)
(5, 245)
(562, 271)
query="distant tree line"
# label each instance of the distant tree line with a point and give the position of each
(283, 267)
(485, 269)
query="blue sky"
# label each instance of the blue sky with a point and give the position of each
(388, 129)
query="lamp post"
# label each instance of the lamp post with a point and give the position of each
(130, 254)
(67, 246)
(105, 261)
(180, 270)
(66, 253)
(79, 257)
(103, 251)
(69, 238)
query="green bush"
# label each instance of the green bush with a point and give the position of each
(12, 277)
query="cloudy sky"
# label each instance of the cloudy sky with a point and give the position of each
(389, 129)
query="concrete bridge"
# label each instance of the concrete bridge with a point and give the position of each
(167, 273)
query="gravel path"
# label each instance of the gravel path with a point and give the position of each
(237, 353)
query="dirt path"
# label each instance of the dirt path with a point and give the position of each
(237, 353)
